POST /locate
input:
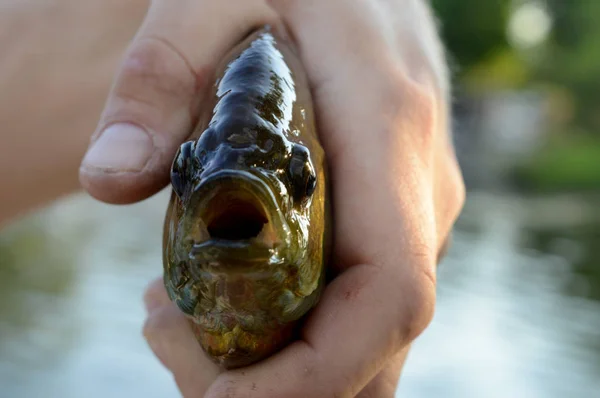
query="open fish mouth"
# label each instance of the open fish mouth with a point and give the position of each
(240, 220)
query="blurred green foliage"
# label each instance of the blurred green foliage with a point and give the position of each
(475, 34)
(572, 58)
(565, 66)
(472, 29)
(566, 164)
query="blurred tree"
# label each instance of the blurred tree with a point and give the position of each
(488, 55)
(472, 29)
(475, 33)
(572, 57)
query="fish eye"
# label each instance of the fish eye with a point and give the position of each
(180, 168)
(302, 174)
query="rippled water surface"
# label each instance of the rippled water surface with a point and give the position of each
(518, 312)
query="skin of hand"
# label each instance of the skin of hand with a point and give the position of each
(58, 61)
(380, 87)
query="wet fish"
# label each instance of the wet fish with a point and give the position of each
(246, 234)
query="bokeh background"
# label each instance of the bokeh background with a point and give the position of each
(518, 308)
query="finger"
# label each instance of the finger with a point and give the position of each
(162, 83)
(170, 337)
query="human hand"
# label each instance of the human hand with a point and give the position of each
(380, 90)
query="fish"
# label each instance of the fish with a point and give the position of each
(247, 232)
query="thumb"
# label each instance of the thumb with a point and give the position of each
(154, 102)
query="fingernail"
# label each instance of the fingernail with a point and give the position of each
(121, 147)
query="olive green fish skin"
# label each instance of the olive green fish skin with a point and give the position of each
(246, 235)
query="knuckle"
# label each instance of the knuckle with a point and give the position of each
(419, 305)
(460, 188)
(410, 108)
(153, 73)
(289, 9)
(423, 106)
(459, 196)
(163, 321)
(155, 323)
(155, 287)
(156, 62)
(453, 188)
(421, 309)
(155, 295)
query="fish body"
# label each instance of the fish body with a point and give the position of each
(246, 234)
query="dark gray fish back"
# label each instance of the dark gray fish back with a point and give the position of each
(251, 119)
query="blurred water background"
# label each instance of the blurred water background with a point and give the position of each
(518, 310)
